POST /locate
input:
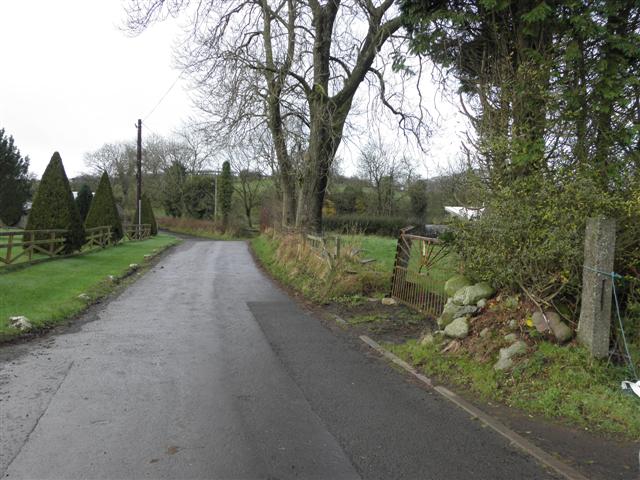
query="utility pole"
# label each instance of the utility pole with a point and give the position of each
(139, 165)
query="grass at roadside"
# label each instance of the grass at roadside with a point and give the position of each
(556, 382)
(47, 293)
(349, 280)
(305, 271)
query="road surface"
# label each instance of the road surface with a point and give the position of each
(205, 369)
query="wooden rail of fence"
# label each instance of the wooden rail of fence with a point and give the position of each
(323, 247)
(137, 232)
(16, 244)
(19, 243)
(98, 237)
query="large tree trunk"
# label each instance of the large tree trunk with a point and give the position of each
(327, 123)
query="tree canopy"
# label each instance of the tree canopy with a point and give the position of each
(292, 68)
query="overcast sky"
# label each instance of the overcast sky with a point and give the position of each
(72, 80)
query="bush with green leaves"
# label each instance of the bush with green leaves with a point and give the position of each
(83, 201)
(530, 236)
(199, 196)
(173, 189)
(148, 217)
(54, 208)
(103, 211)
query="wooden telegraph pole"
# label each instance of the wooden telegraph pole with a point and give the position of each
(139, 179)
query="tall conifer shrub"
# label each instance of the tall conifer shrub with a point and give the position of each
(54, 208)
(103, 211)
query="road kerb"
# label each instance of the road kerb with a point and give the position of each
(514, 438)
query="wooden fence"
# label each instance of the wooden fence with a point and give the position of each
(23, 245)
(98, 237)
(327, 247)
(137, 232)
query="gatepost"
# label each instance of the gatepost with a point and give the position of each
(595, 310)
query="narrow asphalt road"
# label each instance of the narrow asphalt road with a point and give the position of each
(204, 369)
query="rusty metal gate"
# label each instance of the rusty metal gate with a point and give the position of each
(418, 273)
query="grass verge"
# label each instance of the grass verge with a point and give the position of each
(48, 293)
(561, 383)
(301, 268)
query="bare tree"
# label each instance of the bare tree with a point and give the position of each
(385, 171)
(285, 62)
(118, 160)
(196, 149)
(247, 167)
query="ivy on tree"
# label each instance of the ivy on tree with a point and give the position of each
(14, 181)
(54, 208)
(103, 211)
(225, 187)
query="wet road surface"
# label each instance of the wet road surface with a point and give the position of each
(204, 369)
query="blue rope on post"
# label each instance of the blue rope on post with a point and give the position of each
(615, 276)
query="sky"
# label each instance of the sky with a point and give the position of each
(73, 80)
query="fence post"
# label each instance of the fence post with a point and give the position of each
(9, 247)
(30, 250)
(337, 247)
(595, 308)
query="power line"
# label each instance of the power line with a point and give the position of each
(164, 96)
(151, 129)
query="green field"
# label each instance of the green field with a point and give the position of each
(48, 292)
(383, 250)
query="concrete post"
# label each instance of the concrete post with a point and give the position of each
(595, 311)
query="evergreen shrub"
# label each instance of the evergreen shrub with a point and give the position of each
(103, 211)
(54, 208)
(83, 201)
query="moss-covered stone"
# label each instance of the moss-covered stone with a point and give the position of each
(455, 283)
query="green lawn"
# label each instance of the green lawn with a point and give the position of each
(48, 292)
(383, 250)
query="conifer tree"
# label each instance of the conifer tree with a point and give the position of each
(14, 180)
(83, 201)
(54, 208)
(103, 211)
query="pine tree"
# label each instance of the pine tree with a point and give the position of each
(225, 186)
(14, 181)
(54, 208)
(83, 201)
(103, 211)
(148, 217)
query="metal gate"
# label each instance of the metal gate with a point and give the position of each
(418, 273)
